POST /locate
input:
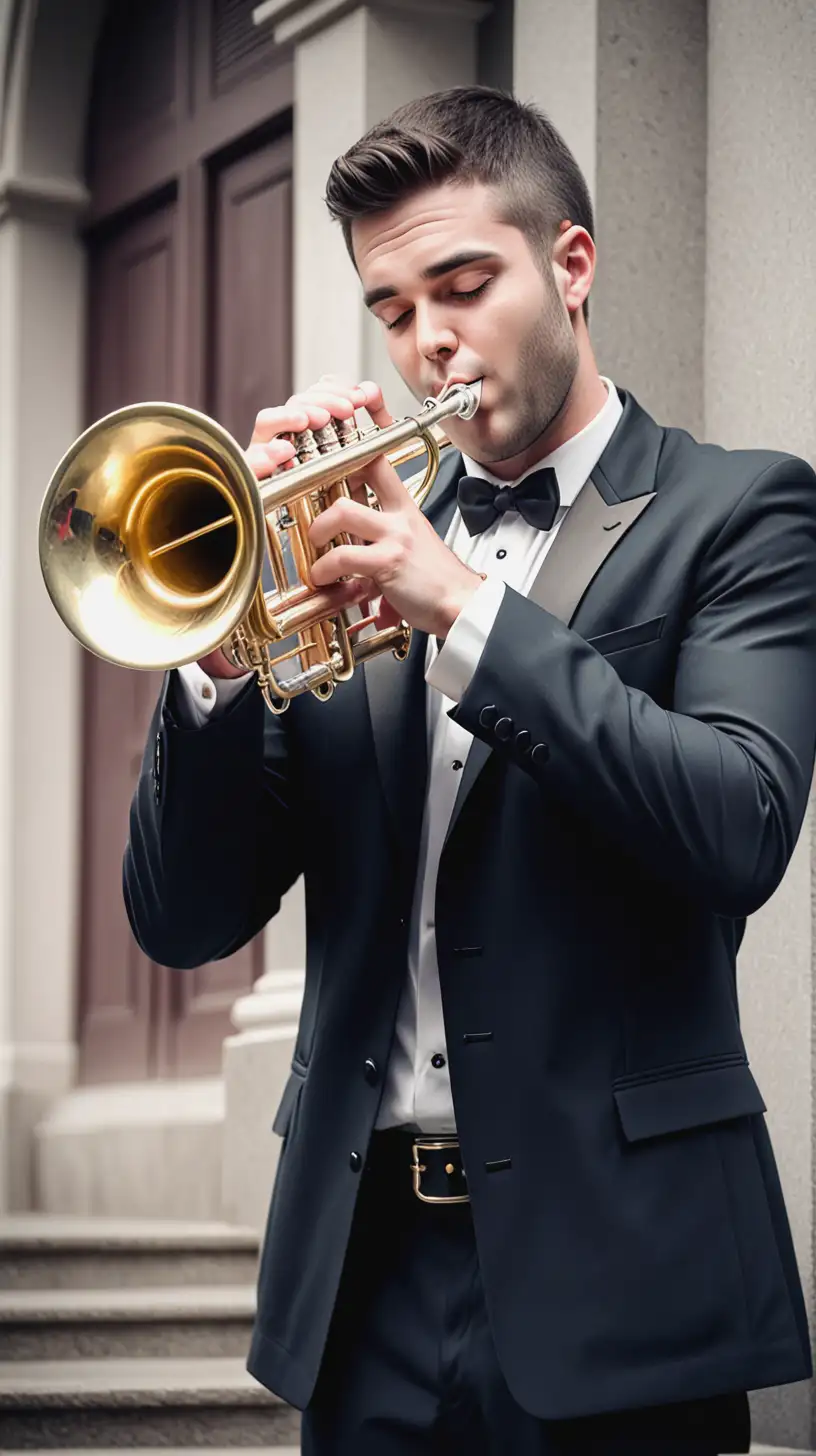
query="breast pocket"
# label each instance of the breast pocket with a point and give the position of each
(640, 634)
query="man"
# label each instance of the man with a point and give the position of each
(528, 855)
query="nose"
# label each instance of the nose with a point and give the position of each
(434, 334)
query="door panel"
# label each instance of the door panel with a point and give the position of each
(251, 367)
(130, 357)
(251, 353)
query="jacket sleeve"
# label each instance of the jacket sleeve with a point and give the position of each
(214, 840)
(712, 794)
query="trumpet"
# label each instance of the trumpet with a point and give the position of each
(155, 538)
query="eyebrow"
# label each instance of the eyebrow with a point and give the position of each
(436, 270)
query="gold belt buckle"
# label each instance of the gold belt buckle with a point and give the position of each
(418, 1169)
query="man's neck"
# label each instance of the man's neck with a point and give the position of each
(584, 402)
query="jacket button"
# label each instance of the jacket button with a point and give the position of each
(372, 1071)
(488, 715)
(355, 1162)
(523, 740)
(540, 754)
(503, 729)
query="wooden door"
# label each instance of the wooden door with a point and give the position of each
(251, 367)
(189, 289)
(130, 357)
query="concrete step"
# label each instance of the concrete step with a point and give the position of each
(94, 1404)
(69, 1324)
(295, 1451)
(44, 1251)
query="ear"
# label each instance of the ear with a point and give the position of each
(573, 264)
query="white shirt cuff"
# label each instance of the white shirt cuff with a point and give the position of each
(201, 697)
(458, 658)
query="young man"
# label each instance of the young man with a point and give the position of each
(528, 854)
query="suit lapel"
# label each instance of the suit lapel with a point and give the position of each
(590, 531)
(396, 697)
(618, 491)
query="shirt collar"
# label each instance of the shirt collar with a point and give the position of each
(574, 461)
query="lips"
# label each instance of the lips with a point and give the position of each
(456, 379)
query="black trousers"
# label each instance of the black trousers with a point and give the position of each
(410, 1368)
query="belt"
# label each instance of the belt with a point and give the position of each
(439, 1174)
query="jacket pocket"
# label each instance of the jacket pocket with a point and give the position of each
(673, 1100)
(640, 634)
(289, 1101)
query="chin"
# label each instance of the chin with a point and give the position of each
(491, 438)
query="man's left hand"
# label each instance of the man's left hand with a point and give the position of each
(400, 555)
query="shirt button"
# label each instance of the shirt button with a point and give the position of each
(456, 765)
(355, 1162)
(206, 691)
(438, 1061)
(501, 554)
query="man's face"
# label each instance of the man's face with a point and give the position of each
(462, 297)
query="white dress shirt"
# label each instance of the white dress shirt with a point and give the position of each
(417, 1091)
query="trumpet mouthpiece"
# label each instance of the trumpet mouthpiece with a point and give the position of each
(470, 396)
(475, 390)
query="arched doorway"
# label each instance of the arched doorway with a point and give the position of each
(188, 247)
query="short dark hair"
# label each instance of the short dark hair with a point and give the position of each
(472, 134)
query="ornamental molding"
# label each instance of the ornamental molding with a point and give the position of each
(42, 199)
(297, 20)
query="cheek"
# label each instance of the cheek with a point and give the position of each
(402, 353)
(507, 321)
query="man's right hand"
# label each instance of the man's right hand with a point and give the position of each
(267, 453)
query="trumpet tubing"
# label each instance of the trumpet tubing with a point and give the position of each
(154, 534)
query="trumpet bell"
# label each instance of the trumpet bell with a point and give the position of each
(113, 528)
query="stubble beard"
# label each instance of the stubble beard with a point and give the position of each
(547, 365)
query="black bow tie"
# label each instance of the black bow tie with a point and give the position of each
(536, 499)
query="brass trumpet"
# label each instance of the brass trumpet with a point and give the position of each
(154, 532)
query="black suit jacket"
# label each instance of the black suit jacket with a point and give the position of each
(644, 743)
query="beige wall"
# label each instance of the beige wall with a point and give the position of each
(651, 202)
(625, 82)
(760, 389)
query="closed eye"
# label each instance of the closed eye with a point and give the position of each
(468, 295)
(474, 292)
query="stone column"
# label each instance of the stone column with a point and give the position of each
(760, 388)
(353, 65)
(367, 59)
(45, 57)
(625, 83)
(696, 128)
